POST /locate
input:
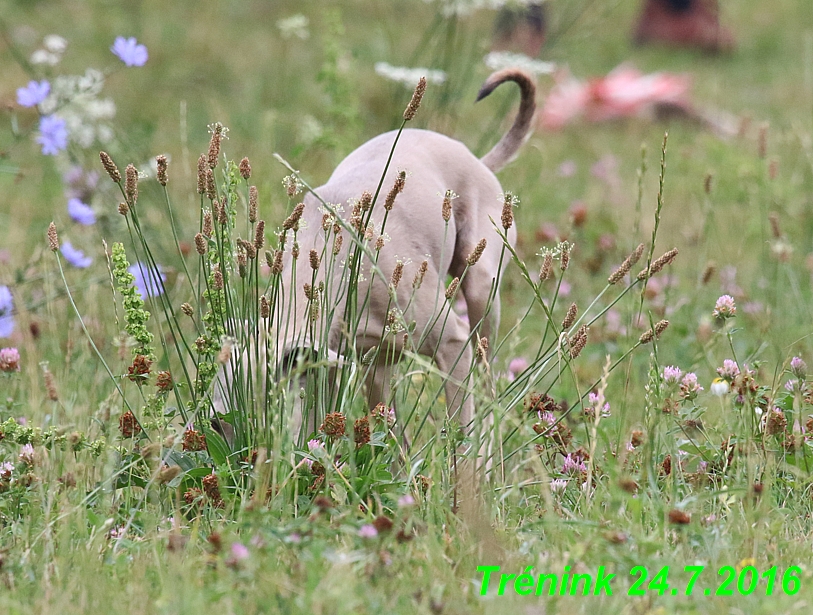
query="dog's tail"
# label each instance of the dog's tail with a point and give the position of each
(507, 147)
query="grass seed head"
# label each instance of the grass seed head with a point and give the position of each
(415, 102)
(110, 167)
(202, 174)
(131, 184)
(472, 258)
(53, 238)
(161, 169)
(245, 169)
(253, 200)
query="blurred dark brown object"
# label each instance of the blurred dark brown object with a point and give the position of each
(683, 23)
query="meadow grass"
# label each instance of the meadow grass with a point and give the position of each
(101, 510)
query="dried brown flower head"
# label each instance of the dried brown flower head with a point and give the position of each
(658, 264)
(193, 440)
(451, 290)
(625, 267)
(53, 238)
(678, 517)
(259, 235)
(292, 221)
(212, 491)
(570, 317)
(163, 381)
(397, 188)
(110, 167)
(547, 267)
(214, 145)
(415, 102)
(314, 259)
(201, 245)
(334, 424)
(161, 169)
(253, 204)
(140, 369)
(472, 258)
(397, 273)
(124, 209)
(418, 280)
(131, 184)
(202, 174)
(245, 168)
(361, 431)
(128, 425)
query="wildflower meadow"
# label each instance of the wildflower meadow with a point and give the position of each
(192, 413)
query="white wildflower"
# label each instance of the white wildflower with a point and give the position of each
(409, 76)
(498, 60)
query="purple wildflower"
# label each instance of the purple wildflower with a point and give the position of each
(725, 308)
(573, 466)
(145, 280)
(516, 367)
(546, 417)
(368, 531)
(33, 94)
(729, 371)
(671, 374)
(53, 135)
(9, 360)
(405, 501)
(75, 256)
(6, 309)
(594, 400)
(239, 551)
(28, 455)
(129, 51)
(689, 388)
(798, 367)
(81, 213)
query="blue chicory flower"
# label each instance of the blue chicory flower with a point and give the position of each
(81, 213)
(74, 256)
(145, 281)
(129, 51)
(33, 94)
(6, 309)
(53, 135)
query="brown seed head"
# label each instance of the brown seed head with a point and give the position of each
(418, 280)
(295, 250)
(397, 188)
(124, 209)
(451, 290)
(446, 209)
(265, 307)
(217, 276)
(208, 227)
(259, 235)
(507, 217)
(570, 317)
(201, 245)
(481, 351)
(211, 189)
(253, 200)
(276, 265)
(223, 212)
(762, 140)
(773, 218)
(187, 309)
(292, 221)
(337, 244)
(245, 169)
(214, 145)
(366, 200)
(128, 425)
(382, 524)
(708, 272)
(193, 441)
(547, 267)
(659, 264)
(397, 273)
(472, 258)
(314, 259)
(578, 342)
(361, 431)
(161, 173)
(637, 438)
(212, 491)
(334, 425)
(678, 517)
(623, 270)
(53, 238)
(415, 102)
(131, 184)
(202, 174)
(50, 385)
(110, 167)
(564, 260)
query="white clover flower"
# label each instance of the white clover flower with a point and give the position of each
(55, 43)
(409, 76)
(498, 60)
(295, 25)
